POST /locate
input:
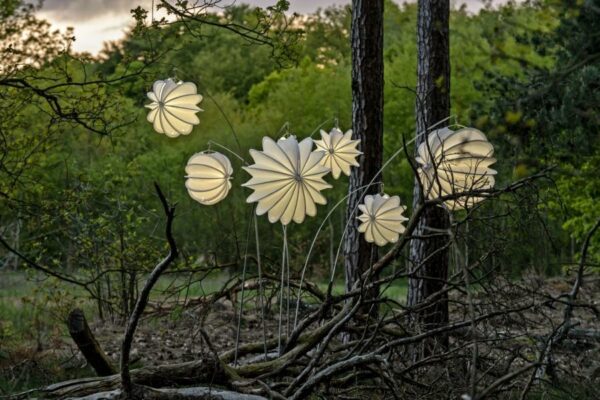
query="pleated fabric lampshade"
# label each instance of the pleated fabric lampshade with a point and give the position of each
(340, 151)
(208, 177)
(381, 219)
(455, 162)
(287, 179)
(174, 107)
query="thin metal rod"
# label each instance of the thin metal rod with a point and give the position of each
(260, 286)
(211, 142)
(239, 325)
(312, 245)
(281, 288)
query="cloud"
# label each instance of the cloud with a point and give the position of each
(96, 21)
(86, 10)
(301, 6)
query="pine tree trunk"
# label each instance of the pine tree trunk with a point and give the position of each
(367, 125)
(428, 255)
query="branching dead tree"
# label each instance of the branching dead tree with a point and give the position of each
(489, 326)
(374, 356)
(546, 362)
(142, 301)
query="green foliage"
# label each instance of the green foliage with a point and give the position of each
(549, 113)
(577, 203)
(78, 194)
(82, 203)
(285, 97)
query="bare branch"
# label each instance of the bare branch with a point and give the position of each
(145, 293)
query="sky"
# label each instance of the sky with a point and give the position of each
(97, 21)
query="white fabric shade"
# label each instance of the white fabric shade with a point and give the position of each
(174, 107)
(208, 177)
(287, 179)
(454, 162)
(382, 219)
(340, 151)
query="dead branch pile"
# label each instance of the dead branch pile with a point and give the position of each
(505, 337)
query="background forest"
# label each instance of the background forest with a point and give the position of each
(78, 162)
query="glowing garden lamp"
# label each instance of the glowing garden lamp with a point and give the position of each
(287, 179)
(381, 219)
(340, 151)
(174, 107)
(208, 177)
(455, 162)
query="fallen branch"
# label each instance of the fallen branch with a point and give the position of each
(205, 369)
(190, 393)
(88, 345)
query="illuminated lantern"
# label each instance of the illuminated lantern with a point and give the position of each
(287, 179)
(454, 162)
(381, 219)
(208, 177)
(340, 151)
(174, 107)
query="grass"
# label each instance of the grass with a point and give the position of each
(211, 284)
(21, 298)
(19, 302)
(14, 311)
(24, 324)
(396, 291)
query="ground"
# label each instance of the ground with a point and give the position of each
(35, 348)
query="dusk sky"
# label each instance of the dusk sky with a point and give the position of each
(97, 21)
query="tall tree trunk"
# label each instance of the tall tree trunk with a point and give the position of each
(367, 125)
(428, 251)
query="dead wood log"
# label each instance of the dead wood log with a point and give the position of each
(205, 369)
(208, 368)
(88, 345)
(190, 393)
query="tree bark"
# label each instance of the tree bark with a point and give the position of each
(428, 264)
(367, 125)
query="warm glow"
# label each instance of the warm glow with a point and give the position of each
(208, 177)
(454, 162)
(287, 179)
(173, 108)
(381, 219)
(340, 151)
